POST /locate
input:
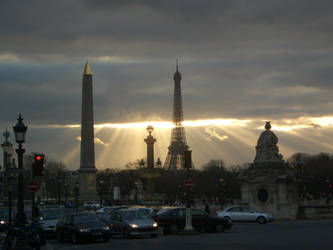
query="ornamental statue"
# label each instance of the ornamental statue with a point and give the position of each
(267, 149)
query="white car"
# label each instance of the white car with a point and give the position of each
(244, 213)
(48, 219)
(91, 205)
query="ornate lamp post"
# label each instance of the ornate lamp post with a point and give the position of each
(8, 151)
(20, 131)
(77, 195)
(328, 181)
(221, 187)
(59, 178)
(101, 187)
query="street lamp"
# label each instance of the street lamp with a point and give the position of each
(77, 195)
(327, 180)
(220, 186)
(59, 187)
(20, 131)
(101, 182)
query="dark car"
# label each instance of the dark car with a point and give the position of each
(173, 220)
(3, 220)
(82, 226)
(130, 222)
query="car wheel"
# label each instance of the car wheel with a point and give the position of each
(173, 229)
(75, 238)
(261, 220)
(60, 238)
(227, 218)
(106, 239)
(219, 228)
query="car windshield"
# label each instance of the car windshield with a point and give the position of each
(104, 216)
(164, 211)
(50, 215)
(130, 215)
(4, 214)
(85, 218)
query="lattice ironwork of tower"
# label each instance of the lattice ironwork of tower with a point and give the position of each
(178, 145)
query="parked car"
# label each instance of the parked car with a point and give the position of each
(244, 213)
(91, 205)
(130, 222)
(80, 226)
(3, 219)
(173, 221)
(49, 218)
(146, 210)
(109, 209)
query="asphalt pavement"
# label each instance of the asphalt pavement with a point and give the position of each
(288, 235)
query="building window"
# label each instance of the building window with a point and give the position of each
(262, 195)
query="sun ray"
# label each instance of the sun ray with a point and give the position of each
(71, 155)
(233, 140)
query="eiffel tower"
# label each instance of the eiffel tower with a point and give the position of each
(178, 145)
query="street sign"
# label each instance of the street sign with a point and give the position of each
(188, 184)
(33, 186)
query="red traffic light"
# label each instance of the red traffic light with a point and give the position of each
(38, 158)
(330, 185)
(38, 165)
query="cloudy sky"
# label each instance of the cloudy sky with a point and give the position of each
(243, 63)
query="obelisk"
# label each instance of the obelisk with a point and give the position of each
(87, 171)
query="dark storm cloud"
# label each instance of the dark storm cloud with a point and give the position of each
(238, 58)
(157, 28)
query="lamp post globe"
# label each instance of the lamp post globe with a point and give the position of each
(20, 131)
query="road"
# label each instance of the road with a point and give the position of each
(293, 235)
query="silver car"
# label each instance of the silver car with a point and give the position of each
(48, 219)
(244, 213)
(130, 222)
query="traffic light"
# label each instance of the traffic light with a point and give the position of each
(330, 186)
(38, 165)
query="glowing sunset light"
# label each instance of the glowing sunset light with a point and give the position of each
(324, 121)
(278, 125)
(216, 122)
(136, 125)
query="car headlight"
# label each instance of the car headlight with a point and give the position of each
(134, 225)
(2, 222)
(84, 230)
(155, 224)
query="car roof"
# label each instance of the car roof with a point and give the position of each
(236, 206)
(129, 209)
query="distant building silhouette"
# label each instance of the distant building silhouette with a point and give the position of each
(178, 145)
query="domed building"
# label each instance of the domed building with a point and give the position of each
(269, 184)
